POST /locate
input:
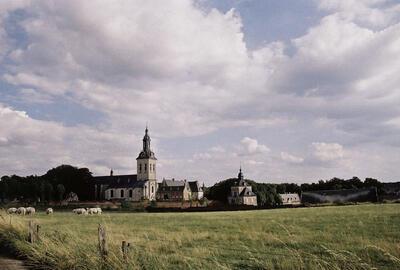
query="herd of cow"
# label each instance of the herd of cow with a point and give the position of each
(30, 211)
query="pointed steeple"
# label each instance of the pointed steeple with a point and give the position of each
(241, 177)
(240, 174)
(146, 151)
(146, 141)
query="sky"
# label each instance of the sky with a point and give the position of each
(292, 91)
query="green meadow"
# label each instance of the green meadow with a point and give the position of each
(363, 236)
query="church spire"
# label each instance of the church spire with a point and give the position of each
(146, 141)
(146, 151)
(240, 175)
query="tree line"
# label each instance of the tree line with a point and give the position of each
(54, 185)
(268, 194)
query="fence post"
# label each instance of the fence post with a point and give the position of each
(33, 232)
(37, 229)
(125, 247)
(102, 242)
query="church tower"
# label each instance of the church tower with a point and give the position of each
(146, 167)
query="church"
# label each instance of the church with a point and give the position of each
(131, 187)
(143, 186)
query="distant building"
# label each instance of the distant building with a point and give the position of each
(173, 190)
(197, 192)
(290, 199)
(72, 197)
(241, 193)
(133, 187)
(179, 190)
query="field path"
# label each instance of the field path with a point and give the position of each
(11, 264)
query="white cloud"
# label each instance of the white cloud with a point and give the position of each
(368, 12)
(251, 147)
(188, 71)
(291, 158)
(31, 146)
(327, 151)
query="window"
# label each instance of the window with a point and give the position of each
(140, 168)
(130, 193)
(152, 189)
(154, 167)
(122, 193)
(111, 193)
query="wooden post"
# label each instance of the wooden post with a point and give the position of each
(31, 232)
(102, 242)
(37, 232)
(125, 248)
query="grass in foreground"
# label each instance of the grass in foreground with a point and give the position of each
(346, 237)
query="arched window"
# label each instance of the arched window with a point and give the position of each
(152, 189)
(140, 168)
(122, 193)
(154, 167)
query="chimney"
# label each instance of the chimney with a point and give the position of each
(173, 179)
(111, 172)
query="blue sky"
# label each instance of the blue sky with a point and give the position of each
(292, 90)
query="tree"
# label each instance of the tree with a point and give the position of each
(60, 192)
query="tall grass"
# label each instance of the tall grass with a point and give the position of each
(348, 237)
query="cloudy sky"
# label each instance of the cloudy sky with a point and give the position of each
(292, 90)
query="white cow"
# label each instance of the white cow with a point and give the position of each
(12, 210)
(21, 211)
(95, 210)
(80, 211)
(30, 210)
(49, 211)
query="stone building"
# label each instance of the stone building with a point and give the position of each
(197, 192)
(132, 187)
(173, 190)
(179, 190)
(290, 199)
(241, 192)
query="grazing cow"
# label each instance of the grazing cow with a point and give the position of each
(30, 211)
(96, 210)
(21, 211)
(80, 211)
(12, 210)
(93, 211)
(49, 211)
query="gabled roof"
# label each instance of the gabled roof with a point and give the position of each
(128, 184)
(119, 181)
(173, 183)
(247, 192)
(194, 186)
(110, 179)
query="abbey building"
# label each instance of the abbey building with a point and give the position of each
(143, 185)
(134, 187)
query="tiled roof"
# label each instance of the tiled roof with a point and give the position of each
(173, 183)
(194, 186)
(246, 192)
(119, 181)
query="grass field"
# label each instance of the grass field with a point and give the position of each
(337, 237)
